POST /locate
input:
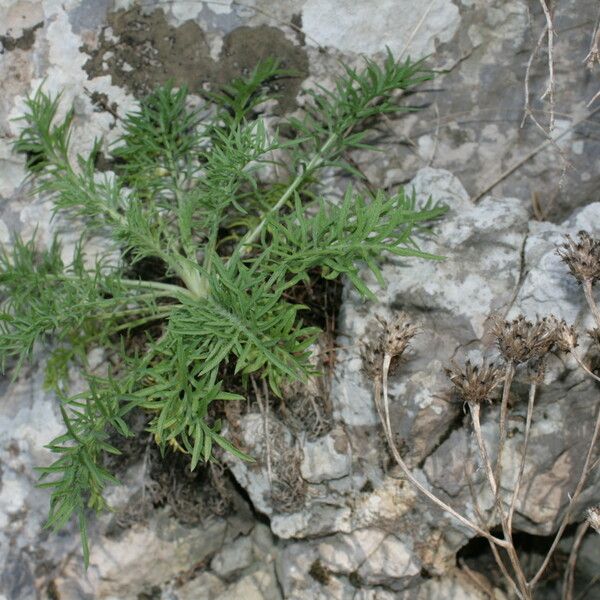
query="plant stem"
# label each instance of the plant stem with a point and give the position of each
(174, 291)
(137, 323)
(508, 377)
(243, 246)
(506, 529)
(384, 416)
(156, 310)
(589, 296)
(475, 410)
(572, 500)
(517, 486)
(569, 580)
(582, 365)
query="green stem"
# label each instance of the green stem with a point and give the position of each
(244, 245)
(160, 289)
(137, 323)
(159, 311)
(174, 291)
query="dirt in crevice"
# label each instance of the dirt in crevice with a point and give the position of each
(141, 51)
(476, 555)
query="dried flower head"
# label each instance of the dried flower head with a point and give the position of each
(595, 335)
(372, 359)
(473, 383)
(582, 257)
(397, 335)
(521, 340)
(565, 335)
(593, 517)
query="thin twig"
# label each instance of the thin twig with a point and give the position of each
(565, 521)
(593, 55)
(527, 112)
(493, 481)
(477, 579)
(416, 29)
(416, 483)
(589, 296)
(583, 366)
(264, 411)
(508, 377)
(475, 410)
(569, 580)
(588, 587)
(492, 546)
(517, 486)
(549, 142)
(549, 93)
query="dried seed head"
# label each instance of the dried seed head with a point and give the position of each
(397, 335)
(582, 257)
(566, 336)
(593, 517)
(595, 335)
(521, 340)
(372, 358)
(473, 383)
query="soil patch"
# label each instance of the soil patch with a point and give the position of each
(141, 51)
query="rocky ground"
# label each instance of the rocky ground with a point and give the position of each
(340, 521)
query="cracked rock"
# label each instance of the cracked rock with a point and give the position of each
(327, 458)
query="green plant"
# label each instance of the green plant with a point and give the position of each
(188, 196)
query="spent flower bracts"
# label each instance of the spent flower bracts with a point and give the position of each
(476, 384)
(226, 244)
(582, 257)
(520, 340)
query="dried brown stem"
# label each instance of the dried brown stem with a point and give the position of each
(565, 520)
(487, 463)
(527, 112)
(415, 482)
(508, 377)
(264, 411)
(549, 92)
(589, 296)
(493, 547)
(583, 366)
(521, 584)
(517, 165)
(517, 486)
(569, 580)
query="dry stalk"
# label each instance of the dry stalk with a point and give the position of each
(593, 56)
(508, 377)
(493, 482)
(521, 343)
(517, 486)
(495, 552)
(569, 579)
(545, 144)
(527, 111)
(589, 296)
(264, 411)
(549, 92)
(383, 415)
(572, 500)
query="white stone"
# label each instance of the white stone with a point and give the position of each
(366, 27)
(390, 560)
(233, 557)
(329, 457)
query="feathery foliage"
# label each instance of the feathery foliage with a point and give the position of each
(188, 194)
